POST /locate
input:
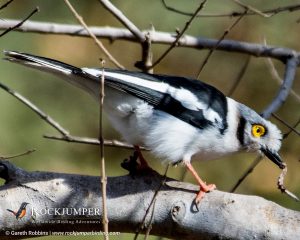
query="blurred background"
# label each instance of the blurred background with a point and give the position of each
(21, 129)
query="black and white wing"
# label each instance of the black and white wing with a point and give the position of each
(190, 100)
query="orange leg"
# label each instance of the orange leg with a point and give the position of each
(143, 162)
(203, 187)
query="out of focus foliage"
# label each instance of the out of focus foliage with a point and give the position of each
(21, 129)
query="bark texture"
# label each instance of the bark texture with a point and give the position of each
(220, 215)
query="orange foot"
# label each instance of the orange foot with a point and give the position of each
(203, 187)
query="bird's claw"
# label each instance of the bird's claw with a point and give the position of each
(208, 188)
(203, 190)
(133, 166)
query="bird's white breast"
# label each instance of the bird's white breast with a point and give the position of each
(168, 137)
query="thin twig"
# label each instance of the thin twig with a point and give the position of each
(34, 108)
(103, 173)
(248, 7)
(93, 141)
(6, 4)
(271, 12)
(290, 131)
(20, 23)
(147, 56)
(142, 224)
(239, 77)
(65, 134)
(97, 42)
(218, 43)
(246, 173)
(123, 19)
(286, 124)
(145, 39)
(149, 227)
(175, 43)
(17, 155)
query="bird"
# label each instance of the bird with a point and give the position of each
(21, 211)
(179, 119)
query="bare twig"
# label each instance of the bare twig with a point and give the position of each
(149, 227)
(289, 76)
(270, 12)
(17, 155)
(239, 77)
(142, 223)
(218, 43)
(246, 173)
(276, 76)
(176, 42)
(20, 23)
(253, 49)
(103, 172)
(146, 64)
(144, 38)
(6, 4)
(281, 186)
(93, 141)
(286, 124)
(65, 134)
(248, 7)
(34, 108)
(290, 131)
(123, 19)
(98, 43)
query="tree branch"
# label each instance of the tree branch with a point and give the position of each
(123, 19)
(220, 215)
(285, 88)
(257, 50)
(270, 12)
(11, 28)
(180, 34)
(97, 42)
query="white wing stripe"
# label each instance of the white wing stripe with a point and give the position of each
(156, 86)
(186, 97)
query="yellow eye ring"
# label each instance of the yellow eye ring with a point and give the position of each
(258, 130)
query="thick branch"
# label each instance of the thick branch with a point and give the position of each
(258, 50)
(220, 215)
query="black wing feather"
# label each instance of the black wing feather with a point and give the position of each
(165, 102)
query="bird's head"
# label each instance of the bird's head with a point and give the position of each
(259, 134)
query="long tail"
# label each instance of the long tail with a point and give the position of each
(72, 74)
(13, 212)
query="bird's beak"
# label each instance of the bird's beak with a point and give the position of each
(274, 157)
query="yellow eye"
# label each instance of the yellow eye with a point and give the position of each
(258, 130)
